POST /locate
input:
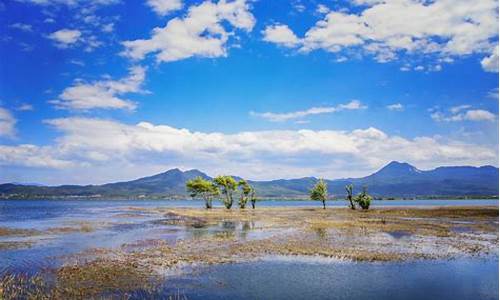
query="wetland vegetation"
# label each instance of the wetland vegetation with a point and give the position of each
(155, 245)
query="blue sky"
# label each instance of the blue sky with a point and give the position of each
(104, 90)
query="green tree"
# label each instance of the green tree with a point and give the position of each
(199, 187)
(245, 190)
(227, 185)
(348, 189)
(253, 198)
(363, 199)
(320, 192)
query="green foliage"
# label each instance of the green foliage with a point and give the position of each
(199, 187)
(349, 189)
(320, 192)
(227, 185)
(245, 190)
(363, 199)
(253, 198)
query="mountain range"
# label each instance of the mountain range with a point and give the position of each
(394, 180)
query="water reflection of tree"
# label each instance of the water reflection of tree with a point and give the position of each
(245, 228)
(321, 233)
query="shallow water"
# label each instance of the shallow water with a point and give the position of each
(324, 279)
(112, 223)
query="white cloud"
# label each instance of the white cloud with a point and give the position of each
(104, 144)
(281, 35)
(463, 113)
(479, 115)
(281, 117)
(65, 37)
(405, 68)
(70, 3)
(22, 27)
(490, 63)
(7, 123)
(387, 29)
(108, 28)
(322, 9)
(77, 62)
(299, 7)
(31, 156)
(200, 33)
(102, 94)
(164, 7)
(493, 94)
(25, 107)
(456, 109)
(396, 107)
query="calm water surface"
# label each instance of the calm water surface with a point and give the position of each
(277, 279)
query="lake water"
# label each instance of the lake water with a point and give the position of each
(295, 279)
(268, 279)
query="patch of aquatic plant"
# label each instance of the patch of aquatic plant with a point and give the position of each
(82, 227)
(86, 282)
(7, 231)
(10, 245)
(21, 286)
(176, 219)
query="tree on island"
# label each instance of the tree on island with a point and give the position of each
(245, 190)
(253, 198)
(363, 199)
(349, 197)
(199, 187)
(320, 192)
(227, 185)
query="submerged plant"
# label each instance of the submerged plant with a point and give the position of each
(199, 187)
(320, 192)
(363, 199)
(348, 189)
(227, 185)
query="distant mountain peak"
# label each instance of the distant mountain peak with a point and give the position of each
(396, 168)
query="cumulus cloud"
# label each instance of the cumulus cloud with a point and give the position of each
(396, 107)
(280, 34)
(7, 123)
(479, 115)
(463, 113)
(164, 7)
(65, 37)
(32, 156)
(200, 33)
(386, 29)
(490, 63)
(89, 142)
(281, 117)
(103, 94)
